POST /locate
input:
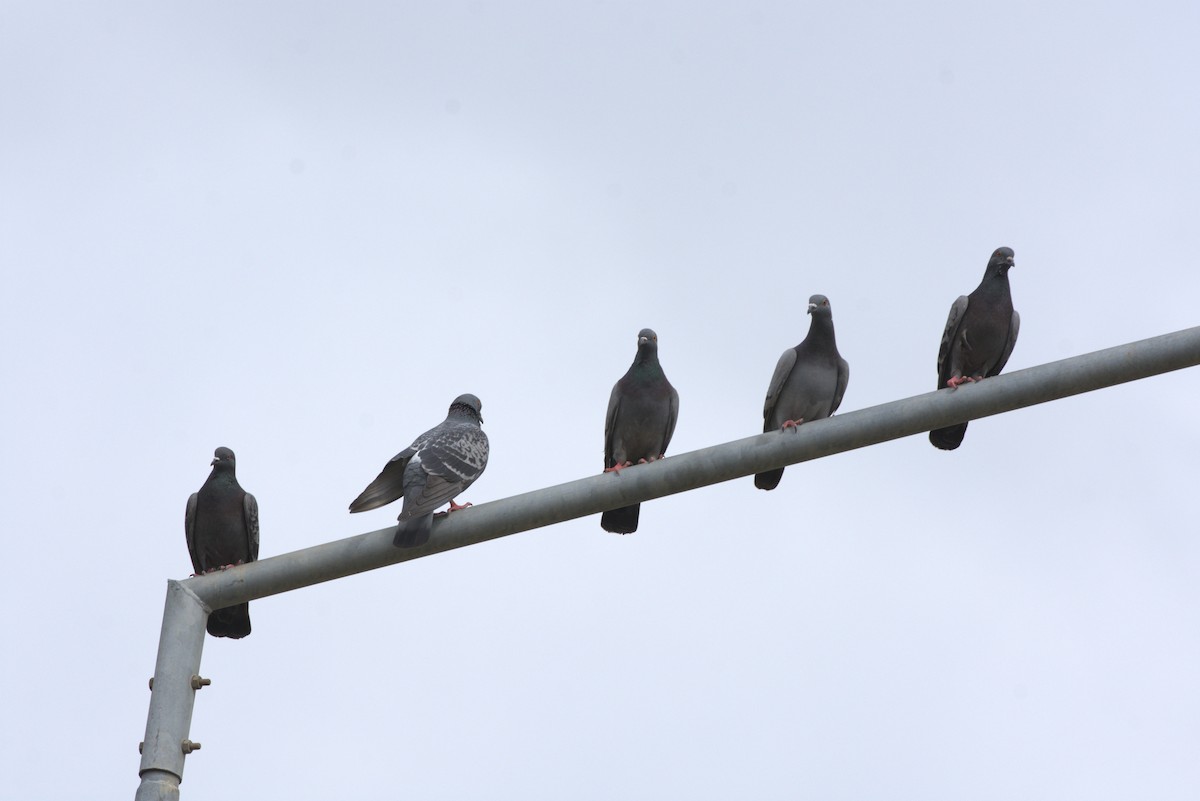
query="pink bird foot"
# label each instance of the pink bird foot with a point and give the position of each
(454, 507)
(617, 468)
(959, 379)
(791, 424)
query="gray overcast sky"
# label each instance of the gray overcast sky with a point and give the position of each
(300, 230)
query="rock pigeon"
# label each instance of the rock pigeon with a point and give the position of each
(979, 337)
(809, 381)
(642, 411)
(439, 465)
(222, 531)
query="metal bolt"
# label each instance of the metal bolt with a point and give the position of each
(151, 683)
(198, 682)
(189, 746)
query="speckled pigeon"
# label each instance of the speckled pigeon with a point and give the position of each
(979, 337)
(221, 524)
(809, 381)
(642, 411)
(439, 465)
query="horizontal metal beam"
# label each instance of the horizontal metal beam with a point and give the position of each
(744, 457)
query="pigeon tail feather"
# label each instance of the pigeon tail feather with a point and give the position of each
(768, 480)
(621, 521)
(232, 622)
(413, 532)
(948, 438)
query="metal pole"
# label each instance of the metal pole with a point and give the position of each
(589, 496)
(173, 691)
(189, 601)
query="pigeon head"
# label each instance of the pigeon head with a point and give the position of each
(1001, 261)
(468, 402)
(647, 345)
(819, 305)
(224, 458)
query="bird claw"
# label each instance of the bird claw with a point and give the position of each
(454, 507)
(954, 382)
(617, 468)
(791, 424)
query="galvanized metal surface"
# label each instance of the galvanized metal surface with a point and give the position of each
(172, 695)
(182, 636)
(711, 465)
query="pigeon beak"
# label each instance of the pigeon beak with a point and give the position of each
(1010, 261)
(812, 307)
(213, 462)
(643, 340)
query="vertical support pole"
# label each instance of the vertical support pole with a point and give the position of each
(180, 645)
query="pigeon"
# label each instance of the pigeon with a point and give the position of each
(222, 531)
(439, 465)
(642, 411)
(809, 382)
(979, 337)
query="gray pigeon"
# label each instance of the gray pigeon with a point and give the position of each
(809, 382)
(979, 337)
(439, 465)
(642, 411)
(221, 524)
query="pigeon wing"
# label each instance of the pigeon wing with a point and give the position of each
(189, 528)
(250, 515)
(1009, 344)
(610, 424)
(388, 485)
(456, 454)
(672, 417)
(782, 370)
(953, 322)
(451, 461)
(843, 379)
